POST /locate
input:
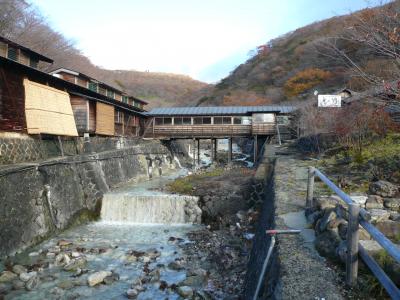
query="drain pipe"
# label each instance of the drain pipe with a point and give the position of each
(272, 233)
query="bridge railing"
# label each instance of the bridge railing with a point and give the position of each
(358, 216)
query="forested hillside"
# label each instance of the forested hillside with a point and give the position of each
(22, 23)
(323, 56)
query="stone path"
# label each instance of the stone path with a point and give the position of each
(304, 274)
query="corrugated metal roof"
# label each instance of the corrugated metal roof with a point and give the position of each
(218, 110)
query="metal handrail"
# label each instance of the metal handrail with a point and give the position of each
(362, 218)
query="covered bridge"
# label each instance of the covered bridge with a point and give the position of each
(215, 122)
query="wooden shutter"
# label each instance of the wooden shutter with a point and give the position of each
(104, 119)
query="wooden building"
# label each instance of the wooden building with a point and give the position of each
(21, 54)
(94, 117)
(35, 102)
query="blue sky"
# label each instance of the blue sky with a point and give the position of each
(205, 39)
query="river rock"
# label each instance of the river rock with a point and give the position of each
(62, 259)
(174, 265)
(18, 284)
(75, 264)
(26, 276)
(57, 292)
(64, 243)
(97, 277)
(7, 276)
(132, 293)
(374, 201)
(379, 215)
(185, 291)
(111, 279)
(155, 275)
(390, 229)
(32, 283)
(18, 269)
(153, 253)
(66, 284)
(5, 288)
(383, 188)
(195, 281)
(392, 203)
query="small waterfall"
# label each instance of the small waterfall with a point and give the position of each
(178, 162)
(154, 209)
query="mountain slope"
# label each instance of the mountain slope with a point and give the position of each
(23, 23)
(290, 68)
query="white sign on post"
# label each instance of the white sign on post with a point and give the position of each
(329, 101)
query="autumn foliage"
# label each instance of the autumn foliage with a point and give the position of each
(305, 80)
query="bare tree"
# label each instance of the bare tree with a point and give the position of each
(371, 32)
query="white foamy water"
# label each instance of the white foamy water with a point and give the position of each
(155, 209)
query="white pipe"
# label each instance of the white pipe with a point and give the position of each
(260, 279)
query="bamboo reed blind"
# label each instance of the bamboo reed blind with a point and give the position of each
(105, 119)
(48, 110)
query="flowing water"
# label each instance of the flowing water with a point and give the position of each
(108, 245)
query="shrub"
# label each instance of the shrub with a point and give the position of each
(305, 80)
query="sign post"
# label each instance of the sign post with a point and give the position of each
(329, 101)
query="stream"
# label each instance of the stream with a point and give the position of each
(134, 251)
(127, 247)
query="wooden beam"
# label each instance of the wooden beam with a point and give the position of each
(352, 245)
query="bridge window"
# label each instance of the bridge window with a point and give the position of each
(198, 121)
(206, 120)
(163, 121)
(182, 121)
(237, 120)
(227, 120)
(217, 120)
(264, 118)
(167, 121)
(159, 121)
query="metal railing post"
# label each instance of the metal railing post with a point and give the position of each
(352, 245)
(310, 187)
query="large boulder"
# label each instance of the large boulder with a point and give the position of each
(379, 215)
(7, 276)
(392, 203)
(383, 188)
(374, 201)
(391, 229)
(325, 202)
(327, 242)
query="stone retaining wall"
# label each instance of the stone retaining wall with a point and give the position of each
(17, 148)
(265, 188)
(39, 199)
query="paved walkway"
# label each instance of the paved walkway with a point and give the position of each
(304, 274)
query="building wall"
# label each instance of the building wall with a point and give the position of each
(80, 107)
(12, 101)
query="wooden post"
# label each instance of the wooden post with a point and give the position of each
(215, 149)
(61, 145)
(310, 187)
(352, 245)
(279, 133)
(194, 153)
(230, 150)
(198, 151)
(255, 145)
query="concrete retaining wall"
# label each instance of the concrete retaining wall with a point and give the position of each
(40, 199)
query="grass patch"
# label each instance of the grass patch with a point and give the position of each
(185, 185)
